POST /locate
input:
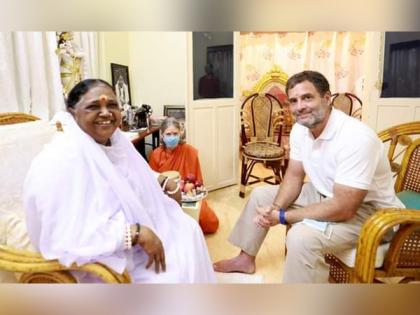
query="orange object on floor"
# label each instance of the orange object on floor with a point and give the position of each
(208, 220)
(184, 159)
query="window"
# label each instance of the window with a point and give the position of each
(401, 65)
(213, 64)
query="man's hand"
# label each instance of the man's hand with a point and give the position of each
(153, 247)
(266, 217)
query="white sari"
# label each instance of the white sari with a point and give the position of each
(79, 195)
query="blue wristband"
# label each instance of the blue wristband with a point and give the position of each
(282, 217)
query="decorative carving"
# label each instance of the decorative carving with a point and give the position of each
(276, 74)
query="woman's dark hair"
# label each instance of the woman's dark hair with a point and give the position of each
(81, 89)
(317, 79)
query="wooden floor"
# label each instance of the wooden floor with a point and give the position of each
(228, 206)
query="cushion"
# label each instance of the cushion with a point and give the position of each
(348, 256)
(410, 199)
(19, 144)
(263, 150)
(13, 234)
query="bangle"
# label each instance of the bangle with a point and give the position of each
(127, 236)
(282, 218)
(165, 182)
(136, 235)
(173, 191)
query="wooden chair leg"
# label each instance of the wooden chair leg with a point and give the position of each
(243, 178)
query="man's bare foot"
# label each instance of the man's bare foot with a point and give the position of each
(243, 263)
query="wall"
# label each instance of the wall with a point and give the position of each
(158, 64)
(114, 48)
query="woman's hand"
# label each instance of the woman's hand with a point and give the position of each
(153, 247)
(172, 186)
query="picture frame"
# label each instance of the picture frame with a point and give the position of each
(176, 111)
(121, 83)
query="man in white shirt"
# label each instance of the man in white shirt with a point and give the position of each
(349, 175)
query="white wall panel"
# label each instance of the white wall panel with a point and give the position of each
(393, 115)
(226, 138)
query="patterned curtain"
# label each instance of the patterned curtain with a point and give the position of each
(337, 55)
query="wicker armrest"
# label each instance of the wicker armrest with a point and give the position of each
(372, 233)
(30, 263)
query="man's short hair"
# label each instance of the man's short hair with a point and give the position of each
(317, 79)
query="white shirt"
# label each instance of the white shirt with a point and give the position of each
(347, 152)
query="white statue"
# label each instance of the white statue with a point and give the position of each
(71, 61)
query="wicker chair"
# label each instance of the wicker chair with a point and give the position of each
(402, 258)
(16, 118)
(398, 138)
(262, 127)
(36, 269)
(32, 266)
(348, 103)
(272, 82)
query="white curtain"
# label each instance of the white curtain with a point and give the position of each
(88, 43)
(30, 74)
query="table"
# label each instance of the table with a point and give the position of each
(138, 139)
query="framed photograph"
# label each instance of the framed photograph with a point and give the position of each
(121, 84)
(176, 111)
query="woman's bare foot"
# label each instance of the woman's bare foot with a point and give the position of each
(243, 263)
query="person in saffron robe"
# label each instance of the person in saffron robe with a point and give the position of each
(176, 155)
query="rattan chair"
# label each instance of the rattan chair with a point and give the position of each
(36, 269)
(32, 266)
(402, 258)
(16, 118)
(398, 138)
(262, 128)
(348, 103)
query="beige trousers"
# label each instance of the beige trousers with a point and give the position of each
(306, 245)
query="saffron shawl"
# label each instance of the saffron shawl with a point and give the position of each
(184, 159)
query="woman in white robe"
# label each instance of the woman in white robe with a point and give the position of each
(87, 189)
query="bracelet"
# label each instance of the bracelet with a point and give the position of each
(173, 191)
(164, 183)
(136, 235)
(282, 218)
(127, 236)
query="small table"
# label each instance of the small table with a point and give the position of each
(137, 138)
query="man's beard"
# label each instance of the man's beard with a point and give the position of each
(314, 119)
